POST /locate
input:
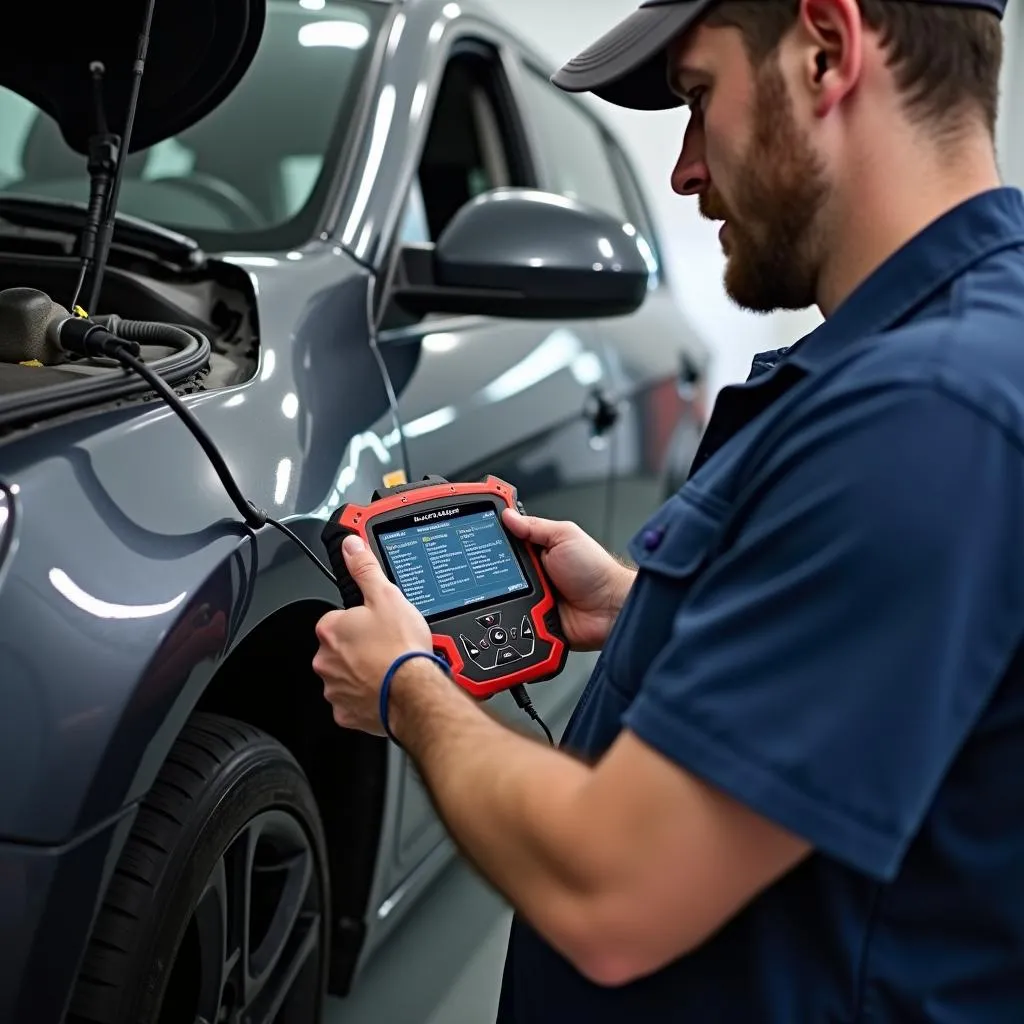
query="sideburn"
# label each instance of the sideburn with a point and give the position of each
(777, 201)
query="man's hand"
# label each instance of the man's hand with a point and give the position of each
(358, 645)
(591, 583)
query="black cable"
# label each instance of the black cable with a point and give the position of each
(393, 402)
(522, 698)
(293, 536)
(254, 517)
(386, 377)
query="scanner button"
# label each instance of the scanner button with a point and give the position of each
(486, 621)
(526, 639)
(481, 654)
(507, 654)
(498, 636)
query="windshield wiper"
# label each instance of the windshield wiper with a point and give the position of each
(130, 232)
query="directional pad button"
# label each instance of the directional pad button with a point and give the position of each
(482, 656)
(526, 639)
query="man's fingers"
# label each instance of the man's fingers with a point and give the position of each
(542, 532)
(362, 566)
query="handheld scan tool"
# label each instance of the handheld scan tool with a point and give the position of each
(490, 606)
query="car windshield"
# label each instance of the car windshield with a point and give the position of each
(252, 174)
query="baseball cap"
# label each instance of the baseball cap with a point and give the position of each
(627, 66)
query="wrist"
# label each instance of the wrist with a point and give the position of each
(415, 684)
(620, 586)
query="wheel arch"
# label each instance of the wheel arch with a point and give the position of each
(268, 681)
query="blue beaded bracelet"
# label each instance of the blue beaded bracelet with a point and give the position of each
(385, 686)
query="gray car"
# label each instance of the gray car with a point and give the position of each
(388, 248)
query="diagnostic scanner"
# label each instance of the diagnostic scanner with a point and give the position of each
(489, 604)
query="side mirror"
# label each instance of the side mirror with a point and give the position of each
(521, 253)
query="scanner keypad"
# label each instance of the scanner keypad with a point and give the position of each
(497, 645)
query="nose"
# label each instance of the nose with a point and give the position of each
(690, 176)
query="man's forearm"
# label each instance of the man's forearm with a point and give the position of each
(507, 801)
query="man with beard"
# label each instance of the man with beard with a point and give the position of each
(792, 790)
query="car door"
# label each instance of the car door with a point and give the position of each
(485, 395)
(650, 398)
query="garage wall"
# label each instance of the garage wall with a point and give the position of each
(1010, 131)
(560, 28)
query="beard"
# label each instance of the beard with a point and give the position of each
(771, 243)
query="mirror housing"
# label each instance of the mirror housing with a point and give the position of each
(521, 253)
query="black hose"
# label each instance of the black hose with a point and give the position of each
(147, 333)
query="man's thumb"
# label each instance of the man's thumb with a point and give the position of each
(362, 566)
(530, 528)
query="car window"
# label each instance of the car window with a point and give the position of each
(572, 146)
(246, 173)
(467, 149)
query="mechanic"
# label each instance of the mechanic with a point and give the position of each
(792, 791)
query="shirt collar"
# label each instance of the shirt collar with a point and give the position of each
(978, 227)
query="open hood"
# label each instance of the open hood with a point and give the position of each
(198, 52)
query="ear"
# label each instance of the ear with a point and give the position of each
(831, 39)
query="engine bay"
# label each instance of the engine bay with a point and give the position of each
(96, 306)
(213, 304)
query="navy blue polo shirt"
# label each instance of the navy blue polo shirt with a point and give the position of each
(827, 624)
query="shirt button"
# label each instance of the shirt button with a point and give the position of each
(652, 538)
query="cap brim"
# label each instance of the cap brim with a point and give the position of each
(628, 65)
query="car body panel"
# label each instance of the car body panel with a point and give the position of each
(66, 700)
(129, 581)
(49, 897)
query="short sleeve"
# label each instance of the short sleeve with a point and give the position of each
(827, 666)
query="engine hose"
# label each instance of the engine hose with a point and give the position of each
(147, 333)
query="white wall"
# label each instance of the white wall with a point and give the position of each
(1010, 131)
(560, 28)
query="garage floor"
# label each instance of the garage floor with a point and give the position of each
(443, 967)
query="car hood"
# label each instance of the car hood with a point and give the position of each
(197, 53)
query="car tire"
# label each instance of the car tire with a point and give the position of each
(227, 853)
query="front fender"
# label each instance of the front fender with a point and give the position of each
(99, 673)
(95, 690)
(130, 576)
(262, 576)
